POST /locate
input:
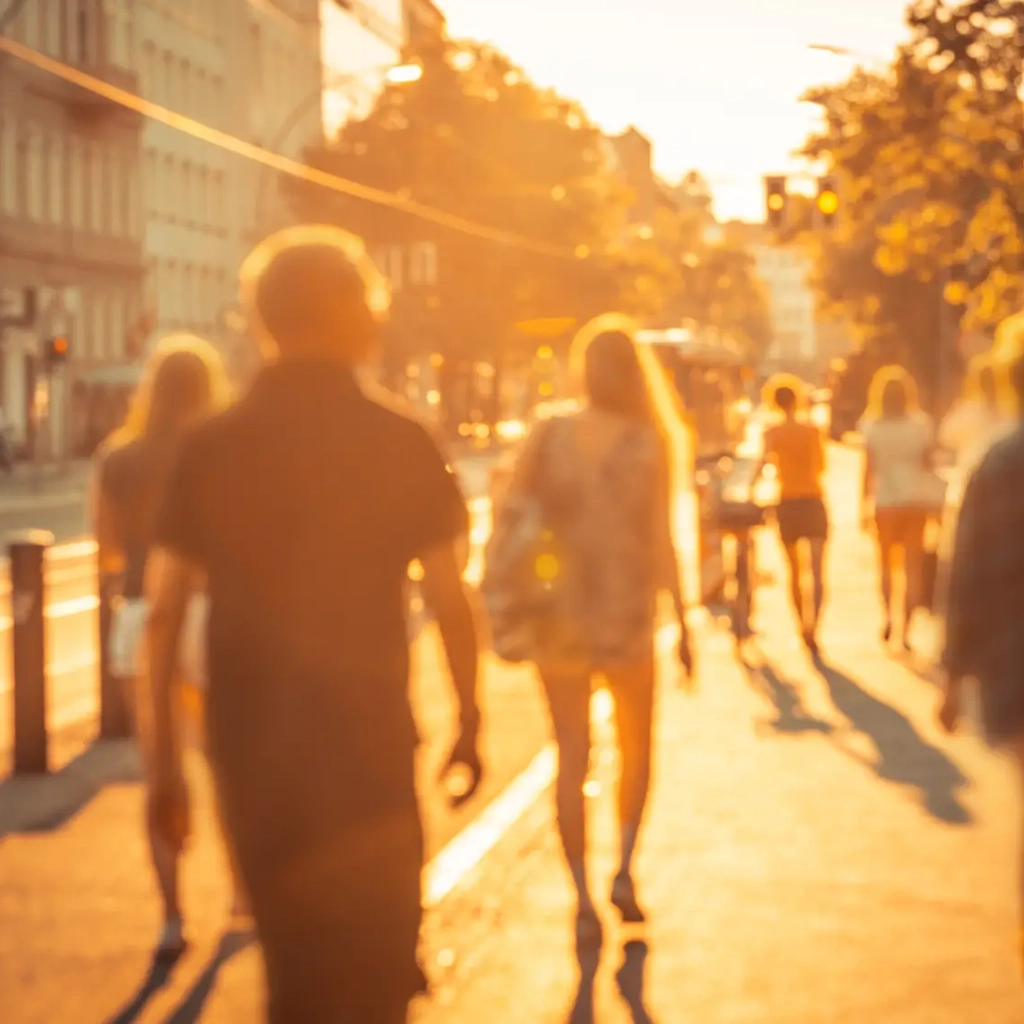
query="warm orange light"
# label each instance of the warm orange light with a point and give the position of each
(775, 201)
(828, 203)
(60, 346)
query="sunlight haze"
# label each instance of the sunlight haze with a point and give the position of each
(715, 86)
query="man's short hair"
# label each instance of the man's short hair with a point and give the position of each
(312, 290)
(785, 398)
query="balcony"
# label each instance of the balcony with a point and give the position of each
(92, 110)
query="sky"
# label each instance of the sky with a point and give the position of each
(713, 83)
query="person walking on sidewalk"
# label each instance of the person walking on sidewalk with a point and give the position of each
(602, 475)
(899, 479)
(984, 639)
(796, 449)
(303, 507)
(184, 382)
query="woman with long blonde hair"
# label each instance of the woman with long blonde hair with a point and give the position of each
(184, 381)
(603, 476)
(900, 486)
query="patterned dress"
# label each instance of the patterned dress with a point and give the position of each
(604, 514)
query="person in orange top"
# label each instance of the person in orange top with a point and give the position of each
(795, 448)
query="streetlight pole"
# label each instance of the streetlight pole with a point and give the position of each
(401, 74)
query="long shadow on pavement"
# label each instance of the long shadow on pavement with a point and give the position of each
(190, 1009)
(45, 803)
(793, 718)
(629, 978)
(158, 977)
(904, 757)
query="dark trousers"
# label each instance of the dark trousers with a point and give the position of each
(336, 902)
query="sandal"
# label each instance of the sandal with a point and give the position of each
(624, 900)
(172, 942)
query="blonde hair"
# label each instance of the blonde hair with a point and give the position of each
(376, 290)
(881, 382)
(141, 405)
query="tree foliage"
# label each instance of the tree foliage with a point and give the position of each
(930, 235)
(474, 137)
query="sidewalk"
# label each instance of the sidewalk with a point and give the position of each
(47, 486)
(816, 853)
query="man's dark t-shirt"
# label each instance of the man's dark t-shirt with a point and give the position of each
(305, 504)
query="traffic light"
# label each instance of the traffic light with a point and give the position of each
(775, 200)
(827, 203)
(55, 352)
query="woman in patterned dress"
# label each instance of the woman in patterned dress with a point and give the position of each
(602, 475)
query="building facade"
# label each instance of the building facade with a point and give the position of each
(424, 22)
(252, 69)
(785, 271)
(71, 224)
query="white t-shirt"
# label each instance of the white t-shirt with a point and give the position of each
(969, 430)
(898, 448)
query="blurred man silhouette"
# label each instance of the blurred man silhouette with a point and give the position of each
(302, 507)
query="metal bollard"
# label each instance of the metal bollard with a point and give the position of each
(27, 552)
(115, 723)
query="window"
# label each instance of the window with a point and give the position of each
(9, 155)
(50, 21)
(97, 199)
(201, 98)
(98, 344)
(151, 182)
(79, 182)
(116, 181)
(84, 45)
(167, 85)
(35, 177)
(55, 180)
(204, 211)
(167, 196)
(170, 291)
(116, 325)
(188, 304)
(132, 200)
(218, 199)
(187, 213)
(185, 88)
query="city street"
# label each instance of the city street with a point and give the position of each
(816, 851)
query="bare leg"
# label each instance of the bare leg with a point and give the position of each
(818, 573)
(913, 568)
(166, 859)
(568, 693)
(633, 689)
(885, 554)
(796, 590)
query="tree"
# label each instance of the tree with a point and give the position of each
(928, 235)
(476, 139)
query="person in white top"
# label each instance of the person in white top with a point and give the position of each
(977, 420)
(900, 484)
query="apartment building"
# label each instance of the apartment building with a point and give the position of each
(71, 226)
(252, 69)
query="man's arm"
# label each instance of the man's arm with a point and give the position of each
(445, 593)
(964, 606)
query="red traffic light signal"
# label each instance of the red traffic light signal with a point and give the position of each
(56, 352)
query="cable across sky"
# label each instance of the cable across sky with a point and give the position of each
(276, 161)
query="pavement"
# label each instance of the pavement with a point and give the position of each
(816, 851)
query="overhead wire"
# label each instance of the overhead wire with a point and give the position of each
(276, 161)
